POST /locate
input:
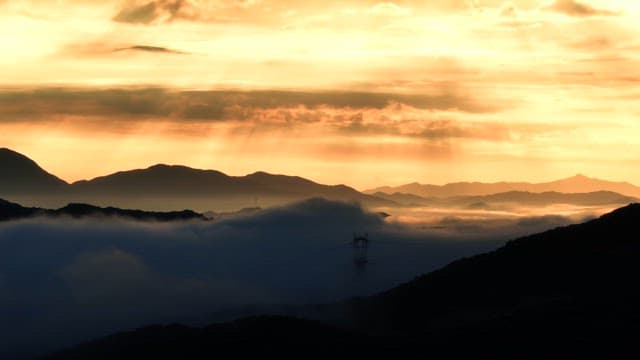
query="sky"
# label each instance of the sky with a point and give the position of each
(360, 92)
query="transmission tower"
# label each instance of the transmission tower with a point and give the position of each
(360, 249)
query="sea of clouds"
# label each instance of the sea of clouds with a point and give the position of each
(64, 281)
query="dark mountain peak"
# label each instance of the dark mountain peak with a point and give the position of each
(160, 167)
(265, 176)
(154, 175)
(260, 174)
(165, 167)
(16, 161)
(177, 169)
(268, 178)
(4, 150)
(21, 175)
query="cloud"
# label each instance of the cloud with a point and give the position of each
(106, 47)
(575, 8)
(593, 43)
(155, 11)
(149, 49)
(425, 129)
(143, 14)
(203, 105)
(166, 11)
(292, 13)
(69, 281)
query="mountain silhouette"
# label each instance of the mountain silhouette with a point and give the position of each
(13, 211)
(545, 198)
(171, 183)
(185, 181)
(574, 184)
(571, 290)
(164, 187)
(22, 175)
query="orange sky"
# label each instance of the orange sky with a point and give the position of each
(359, 92)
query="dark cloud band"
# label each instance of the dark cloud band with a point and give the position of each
(575, 8)
(206, 105)
(150, 49)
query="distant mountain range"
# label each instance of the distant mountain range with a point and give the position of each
(575, 184)
(13, 211)
(168, 187)
(523, 198)
(163, 187)
(569, 291)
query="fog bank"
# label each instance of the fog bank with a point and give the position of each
(64, 281)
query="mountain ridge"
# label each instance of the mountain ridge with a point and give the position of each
(574, 184)
(11, 211)
(165, 187)
(595, 198)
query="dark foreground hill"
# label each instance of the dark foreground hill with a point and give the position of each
(12, 211)
(570, 291)
(570, 287)
(260, 337)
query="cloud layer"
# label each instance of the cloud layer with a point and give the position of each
(209, 105)
(67, 281)
(148, 48)
(575, 8)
